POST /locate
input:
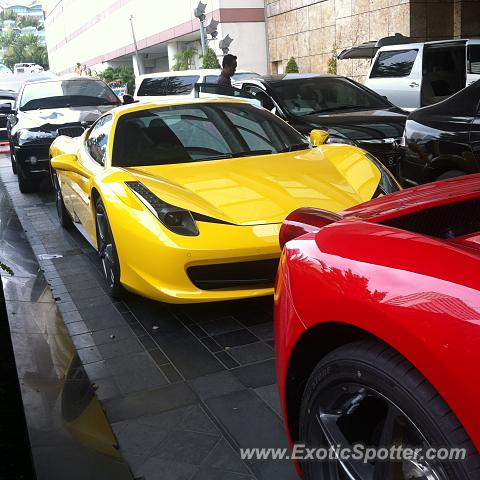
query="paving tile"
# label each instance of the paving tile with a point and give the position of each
(227, 360)
(269, 394)
(251, 353)
(250, 422)
(189, 447)
(264, 331)
(150, 402)
(133, 373)
(208, 473)
(211, 344)
(196, 420)
(221, 325)
(191, 358)
(158, 356)
(106, 388)
(170, 419)
(266, 470)
(112, 334)
(160, 469)
(148, 342)
(235, 339)
(256, 374)
(89, 355)
(216, 384)
(96, 370)
(225, 458)
(138, 439)
(171, 373)
(120, 348)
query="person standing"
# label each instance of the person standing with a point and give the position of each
(229, 65)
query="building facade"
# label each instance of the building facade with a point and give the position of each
(314, 31)
(98, 33)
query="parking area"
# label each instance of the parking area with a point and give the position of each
(183, 387)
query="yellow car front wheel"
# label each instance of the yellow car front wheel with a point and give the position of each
(107, 252)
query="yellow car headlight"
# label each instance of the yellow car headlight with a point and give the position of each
(177, 220)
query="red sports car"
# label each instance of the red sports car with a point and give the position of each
(377, 331)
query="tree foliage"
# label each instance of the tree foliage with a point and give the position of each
(28, 22)
(124, 74)
(8, 15)
(210, 59)
(184, 59)
(292, 66)
(22, 48)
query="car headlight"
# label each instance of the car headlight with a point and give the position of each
(177, 220)
(344, 140)
(35, 136)
(387, 183)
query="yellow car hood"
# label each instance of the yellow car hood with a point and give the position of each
(265, 189)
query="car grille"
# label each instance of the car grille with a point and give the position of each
(390, 154)
(255, 274)
(71, 131)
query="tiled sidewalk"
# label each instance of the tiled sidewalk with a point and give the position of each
(183, 386)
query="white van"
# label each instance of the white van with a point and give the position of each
(413, 75)
(157, 86)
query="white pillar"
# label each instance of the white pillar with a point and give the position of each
(137, 70)
(172, 49)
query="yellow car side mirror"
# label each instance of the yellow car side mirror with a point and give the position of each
(68, 163)
(318, 137)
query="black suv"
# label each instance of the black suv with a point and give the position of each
(348, 111)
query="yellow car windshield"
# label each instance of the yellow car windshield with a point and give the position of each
(190, 133)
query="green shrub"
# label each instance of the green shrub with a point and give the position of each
(184, 59)
(332, 62)
(292, 66)
(210, 59)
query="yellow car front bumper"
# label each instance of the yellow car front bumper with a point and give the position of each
(169, 268)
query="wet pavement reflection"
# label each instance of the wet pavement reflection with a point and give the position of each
(69, 434)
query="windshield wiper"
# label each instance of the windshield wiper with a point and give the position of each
(251, 153)
(295, 147)
(342, 107)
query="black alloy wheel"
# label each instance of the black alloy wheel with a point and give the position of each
(107, 251)
(63, 216)
(366, 393)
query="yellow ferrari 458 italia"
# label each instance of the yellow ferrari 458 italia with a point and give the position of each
(184, 200)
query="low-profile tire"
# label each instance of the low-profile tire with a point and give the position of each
(366, 392)
(25, 184)
(64, 217)
(12, 158)
(450, 174)
(107, 251)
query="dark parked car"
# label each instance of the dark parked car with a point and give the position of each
(443, 140)
(348, 111)
(45, 110)
(7, 101)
